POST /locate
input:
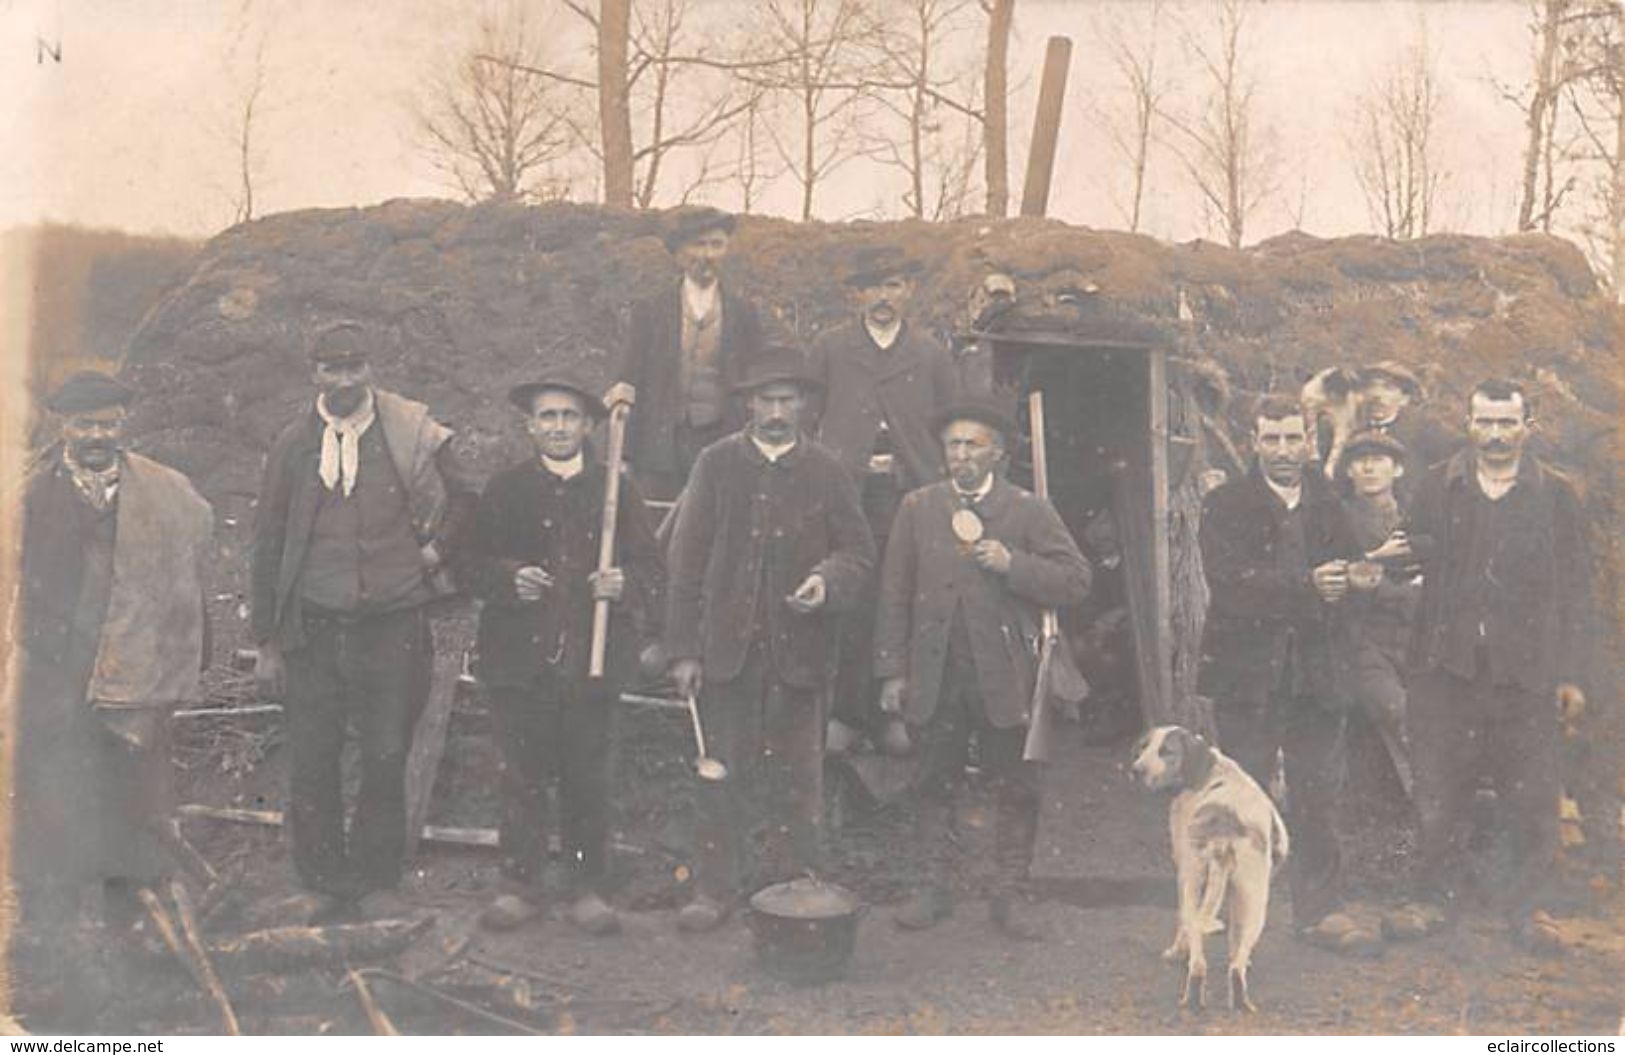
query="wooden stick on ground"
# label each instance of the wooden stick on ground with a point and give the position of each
(200, 969)
(381, 1024)
(192, 935)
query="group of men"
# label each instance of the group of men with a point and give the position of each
(844, 558)
(1442, 596)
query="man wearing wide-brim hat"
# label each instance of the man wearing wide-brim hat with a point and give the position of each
(360, 507)
(112, 635)
(770, 541)
(971, 562)
(884, 379)
(532, 558)
(1391, 397)
(686, 347)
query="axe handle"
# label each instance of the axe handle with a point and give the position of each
(1036, 747)
(606, 534)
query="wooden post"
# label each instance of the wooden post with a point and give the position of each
(1163, 704)
(1046, 127)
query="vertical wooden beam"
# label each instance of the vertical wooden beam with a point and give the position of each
(429, 741)
(1046, 127)
(1164, 706)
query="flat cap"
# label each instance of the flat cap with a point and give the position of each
(89, 390)
(873, 265)
(342, 341)
(688, 222)
(1395, 371)
(1370, 441)
(985, 410)
(777, 364)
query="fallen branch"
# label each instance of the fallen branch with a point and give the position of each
(381, 1024)
(229, 712)
(190, 953)
(462, 1005)
(283, 948)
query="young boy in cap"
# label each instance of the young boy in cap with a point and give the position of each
(769, 541)
(533, 561)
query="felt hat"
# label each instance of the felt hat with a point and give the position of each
(777, 364)
(873, 265)
(985, 410)
(524, 395)
(89, 390)
(690, 221)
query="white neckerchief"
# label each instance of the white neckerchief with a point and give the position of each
(1289, 495)
(977, 495)
(568, 469)
(700, 299)
(341, 443)
(772, 451)
(98, 486)
(884, 336)
(1495, 488)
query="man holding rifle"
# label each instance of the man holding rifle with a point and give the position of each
(970, 564)
(534, 559)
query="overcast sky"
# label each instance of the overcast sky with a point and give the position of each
(131, 129)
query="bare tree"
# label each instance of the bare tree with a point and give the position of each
(1597, 102)
(493, 125)
(816, 71)
(1394, 144)
(996, 99)
(614, 25)
(1133, 45)
(247, 164)
(1224, 149)
(926, 95)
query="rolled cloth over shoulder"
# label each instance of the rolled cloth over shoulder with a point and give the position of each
(413, 438)
(151, 647)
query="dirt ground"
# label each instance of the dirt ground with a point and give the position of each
(1103, 886)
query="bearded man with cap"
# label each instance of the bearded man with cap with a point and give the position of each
(360, 504)
(686, 348)
(884, 380)
(769, 542)
(970, 564)
(532, 558)
(112, 635)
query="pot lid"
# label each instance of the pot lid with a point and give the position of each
(804, 899)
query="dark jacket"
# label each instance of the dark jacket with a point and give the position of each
(748, 532)
(528, 516)
(1528, 583)
(927, 578)
(1265, 619)
(652, 362)
(286, 512)
(906, 385)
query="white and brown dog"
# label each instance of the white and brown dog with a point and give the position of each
(1227, 838)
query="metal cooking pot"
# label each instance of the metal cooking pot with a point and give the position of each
(804, 929)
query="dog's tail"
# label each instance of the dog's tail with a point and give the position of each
(1280, 843)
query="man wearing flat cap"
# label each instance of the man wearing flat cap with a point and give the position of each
(112, 636)
(532, 558)
(686, 348)
(970, 564)
(1390, 397)
(361, 499)
(884, 380)
(769, 542)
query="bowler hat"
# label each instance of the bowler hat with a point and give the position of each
(690, 221)
(89, 390)
(524, 396)
(1370, 441)
(343, 341)
(777, 364)
(875, 264)
(985, 410)
(1395, 371)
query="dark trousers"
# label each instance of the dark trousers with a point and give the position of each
(944, 748)
(1462, 730)
(1311, 740)
(764, 823)
(372, 671)
(555, 728)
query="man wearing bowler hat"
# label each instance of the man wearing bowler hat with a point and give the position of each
(360, 500)
(532, 558)
(884, 380)
(769, 541)
(687, 345)
(112, 635)
(971, 562)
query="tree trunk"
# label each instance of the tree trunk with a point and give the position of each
(995, 103)
(1617, 205)
(614, 108)
(1539, 109)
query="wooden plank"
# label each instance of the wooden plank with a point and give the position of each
(433, 833)
(429, 743)
(1161, 562)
